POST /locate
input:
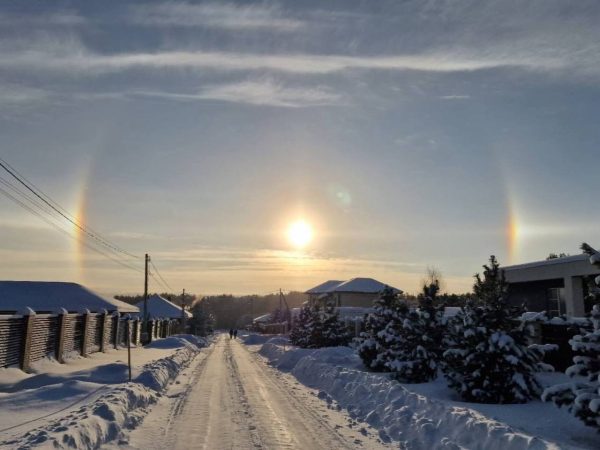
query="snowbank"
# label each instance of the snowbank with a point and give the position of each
(118, 406)
(255, 339)
(420, 421)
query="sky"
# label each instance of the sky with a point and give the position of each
(408, 134)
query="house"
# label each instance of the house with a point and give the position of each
(356, 292)
(558, 286)
(161, 308)
(51, 296)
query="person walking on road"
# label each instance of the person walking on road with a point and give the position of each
(235, 334)
(230, 333)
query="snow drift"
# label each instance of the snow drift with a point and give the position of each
(122, 406)
(416, 421)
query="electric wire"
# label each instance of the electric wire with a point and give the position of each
(47, 205)
(160, 276)
(58, 226)
(62, 230)
(61, 211)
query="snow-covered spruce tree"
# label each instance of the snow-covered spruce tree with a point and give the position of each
(334, 331)
(374, 341)
(299, 334)
(582, 399)
(487, 358)
(316, 328)
(415, 352)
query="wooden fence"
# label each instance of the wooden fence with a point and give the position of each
(27, 338)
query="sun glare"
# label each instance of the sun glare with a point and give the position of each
(300, 234)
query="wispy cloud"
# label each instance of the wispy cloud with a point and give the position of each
(455, 97)
(57, 19)
(264, 92)
(15, 95)
(216, 15)
(70, 57)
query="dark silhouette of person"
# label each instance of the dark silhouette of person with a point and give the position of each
(235, 334)
(230, 333)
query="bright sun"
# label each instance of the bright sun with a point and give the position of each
(300, 233)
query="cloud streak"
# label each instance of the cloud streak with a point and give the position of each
(65, 59)
(215, 15)
(262, 93)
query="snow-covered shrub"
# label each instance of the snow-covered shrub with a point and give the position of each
(374, 343)
(487, 359)
(335, 332)
(582, 399)
(415, 353)
(316, 328)
(300, 331)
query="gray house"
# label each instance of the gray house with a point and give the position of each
(558, 286)
(356, 292)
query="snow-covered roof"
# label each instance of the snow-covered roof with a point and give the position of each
(363, 286)
(51, 296)
(263, 318)
(161, 308)
(548, 262)
(358, 285)
(324, 287)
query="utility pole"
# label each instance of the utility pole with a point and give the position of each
(183, 312)
(146, 259)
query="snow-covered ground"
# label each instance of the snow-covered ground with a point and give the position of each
(231, 400)
(87, 401)
(428, 415)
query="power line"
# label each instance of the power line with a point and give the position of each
(61, 211)
(62, 230)
(57, 225)
(160, 276)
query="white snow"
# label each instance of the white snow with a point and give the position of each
(229, 399)
(429, 415)
(87, 401)
(360, 285)
(161, 308)
(51, 296)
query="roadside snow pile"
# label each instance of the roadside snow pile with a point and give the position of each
(277, 355)
(157, 374)
(255, 339)
(122, 406)
(416, 421)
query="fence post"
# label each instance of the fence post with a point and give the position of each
(86, 330)
(103, 321)
(150, 330)
(29, 318)
(357, 326)
(116, 325)
(61, 335)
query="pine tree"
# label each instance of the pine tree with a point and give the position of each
(374, 342)
(334, 331)
(582, 399)
(415, 353)
(300, 331)
(316, 328)
(487, 358)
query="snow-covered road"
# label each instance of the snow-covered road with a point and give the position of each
(230, 399)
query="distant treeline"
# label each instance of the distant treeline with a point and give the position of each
(236, 311)
(229, 311)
